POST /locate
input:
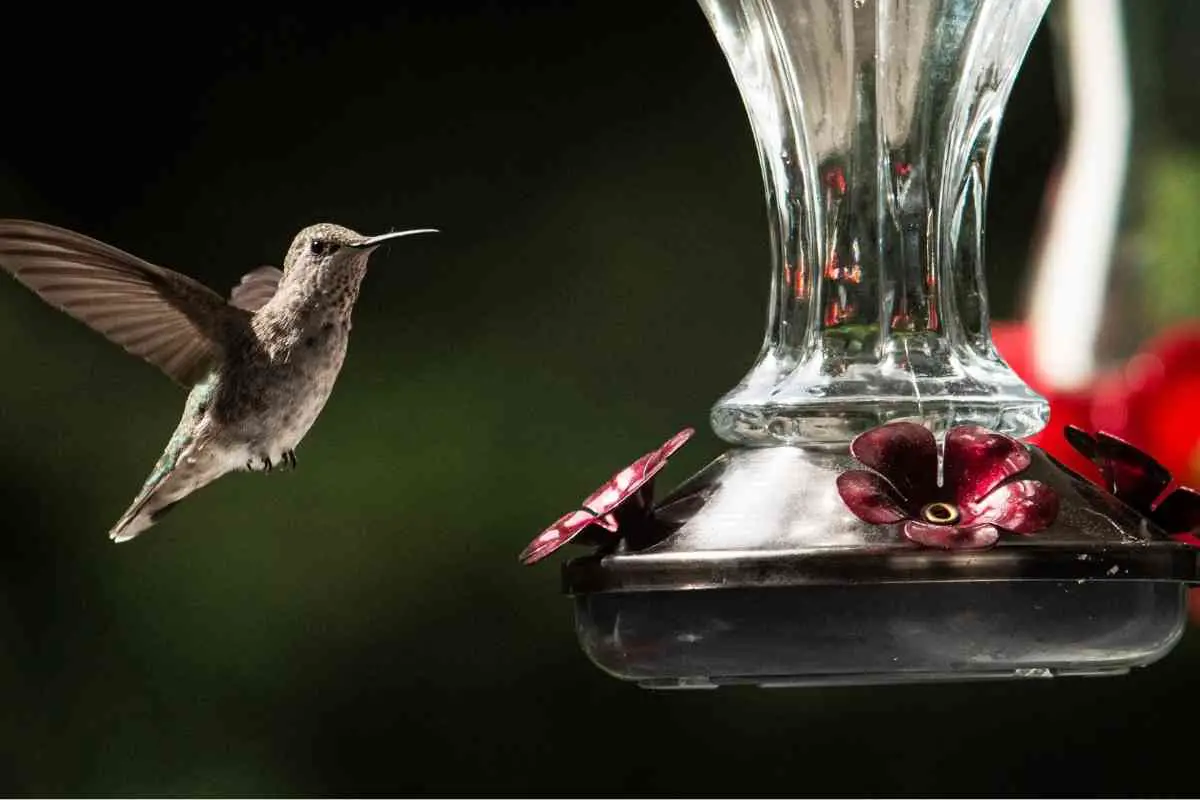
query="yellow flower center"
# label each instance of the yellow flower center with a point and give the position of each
(941, 513)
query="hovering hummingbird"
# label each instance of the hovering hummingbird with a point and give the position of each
(260, 366)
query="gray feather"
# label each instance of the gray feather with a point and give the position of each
(161, 316)
(255, 289)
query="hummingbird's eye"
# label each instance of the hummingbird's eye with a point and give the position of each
(318, 247)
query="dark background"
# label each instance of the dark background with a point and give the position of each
(362, 625)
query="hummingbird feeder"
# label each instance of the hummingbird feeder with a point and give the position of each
(877, 517)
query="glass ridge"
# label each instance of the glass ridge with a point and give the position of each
(875, 122)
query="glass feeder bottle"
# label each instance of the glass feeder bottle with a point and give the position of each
(875, 122)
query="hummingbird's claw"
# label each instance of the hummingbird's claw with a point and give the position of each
(263, 465)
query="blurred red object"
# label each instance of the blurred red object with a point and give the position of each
(1151, 401)
(1015, 344)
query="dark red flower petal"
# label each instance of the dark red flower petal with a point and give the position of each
(1194, 541)
(674, 443)
(906, 454)
(1081, 440)
(1020, 507)
(977, 460)
(608, 522)
(620, 487)
(568, 527)
(625, 483)
(951, 537)
(598, 507)
(1179, 513)
(1131, 474)
(870, 497)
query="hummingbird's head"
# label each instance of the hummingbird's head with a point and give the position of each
(331, 253)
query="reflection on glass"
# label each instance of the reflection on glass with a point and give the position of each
(875, 124)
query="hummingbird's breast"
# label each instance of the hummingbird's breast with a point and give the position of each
(278, 381)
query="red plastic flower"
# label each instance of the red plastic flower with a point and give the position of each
(1151, 400)
(604, 511)
(1147, 401)
(971, 505)
(1141, 482)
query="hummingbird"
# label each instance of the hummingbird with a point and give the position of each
(260, 366)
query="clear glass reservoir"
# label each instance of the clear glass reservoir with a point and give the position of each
(875, 122)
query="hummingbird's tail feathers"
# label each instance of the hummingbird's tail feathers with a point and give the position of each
(171, 481)
(130, 527)
(146, 509)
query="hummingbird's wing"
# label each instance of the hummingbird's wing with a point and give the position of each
(255, 289)
(165, 318)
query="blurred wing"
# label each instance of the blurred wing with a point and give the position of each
(255, 289)
(165, 318)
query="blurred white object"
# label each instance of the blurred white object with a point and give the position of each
(1073, 259)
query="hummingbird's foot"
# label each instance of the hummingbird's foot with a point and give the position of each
(290, 457)
(263, 465)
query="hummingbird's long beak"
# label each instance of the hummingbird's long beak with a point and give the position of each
(375, 241)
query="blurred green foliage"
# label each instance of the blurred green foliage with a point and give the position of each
(362, 625)
(1171, 237)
